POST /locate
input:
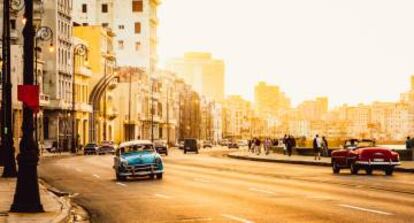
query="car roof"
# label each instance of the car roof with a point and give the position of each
(135, 142)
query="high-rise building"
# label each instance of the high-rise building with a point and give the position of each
(269, 100)
(204, 73)
(135, 23)
(313, 110)
(237, 114)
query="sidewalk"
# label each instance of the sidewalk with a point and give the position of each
(406, 166)
(57, 210)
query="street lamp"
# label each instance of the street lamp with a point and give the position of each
(27, 196)
(80, 50)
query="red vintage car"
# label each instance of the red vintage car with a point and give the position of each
(364, 154)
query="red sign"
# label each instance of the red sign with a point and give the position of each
(29, 95)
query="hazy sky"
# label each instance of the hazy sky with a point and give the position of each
(350, 50)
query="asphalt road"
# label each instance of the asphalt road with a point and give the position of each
(209, 187)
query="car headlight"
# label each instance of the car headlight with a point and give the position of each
(124, 163)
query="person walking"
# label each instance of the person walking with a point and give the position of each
(249, 148)
(267, 144)
(257, 146)
(325, 147)
(317, 145)
(284, 142)
(289, 145)
(408, 143)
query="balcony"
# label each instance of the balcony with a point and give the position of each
(44, 100)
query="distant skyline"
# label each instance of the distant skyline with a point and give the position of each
(311, 48)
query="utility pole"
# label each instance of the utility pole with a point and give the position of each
(168, 115)
(7, 150)
(152, 110)
(27, 197)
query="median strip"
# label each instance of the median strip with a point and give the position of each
(234, 218)
(365, 209)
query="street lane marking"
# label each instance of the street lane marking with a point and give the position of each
(236, 218)
(261, 191)
(79, 170)
(97, 176)
(365, 209)
(196, 219)
(121, 184)
(162, 196)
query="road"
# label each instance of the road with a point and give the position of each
(210, 187)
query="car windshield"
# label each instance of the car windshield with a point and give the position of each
(137, 148)
(358, 144)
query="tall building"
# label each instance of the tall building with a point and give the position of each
(269, 100)
(204, 73)
(58, 77)
(237, 116)
(313, 110)
(135, 23)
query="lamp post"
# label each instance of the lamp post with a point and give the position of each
(7, 144)
(27, 197)
(152, 110)
(82, 51)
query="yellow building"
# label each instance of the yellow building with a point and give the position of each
(237, 117)
(83, 109)
(102, 62)
(269, 100)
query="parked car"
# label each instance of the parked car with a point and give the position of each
(106, 147)
(207, 144)
(191, 145)
(363, 154)
(91, 149)
(161, 147)
(232, 145)
(50, 146)
(136, 159)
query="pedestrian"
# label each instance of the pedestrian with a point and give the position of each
(317, 145)
(257, 146)
(290, 143)
(267, 144)
(249, 145)
(284, 142)
(408, 143)
(325, 147)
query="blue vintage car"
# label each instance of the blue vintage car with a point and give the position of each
(136, 159)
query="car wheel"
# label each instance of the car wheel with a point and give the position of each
(185, 151)
(159, 176)
(166, 154)
(335, 167)
(368, 171)
(389, 171)
(196, 151)
(354, 168)
(120, 178)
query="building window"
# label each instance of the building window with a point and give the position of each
(104, 8)
(137, 27)
(13, 24)
(105, 25)
(84, 8)
(121, 44)
(137, 46)
(121, 27)
(137, 6)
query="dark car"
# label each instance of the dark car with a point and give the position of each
(106, 148)
(191, 145)
(233, 145)
(363, 154)
(207, 144)
(161, 147)
(91, 149)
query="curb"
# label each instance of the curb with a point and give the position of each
(300, 162)
(63, 199)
